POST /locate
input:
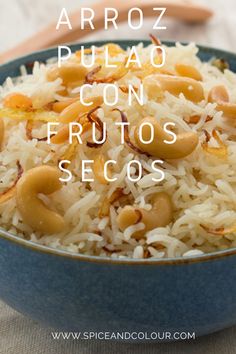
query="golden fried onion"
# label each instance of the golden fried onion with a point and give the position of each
(220, 151)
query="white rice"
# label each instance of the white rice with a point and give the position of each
(209, 200)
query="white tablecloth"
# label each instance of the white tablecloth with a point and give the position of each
(21, 18)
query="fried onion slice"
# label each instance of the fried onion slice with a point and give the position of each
(221, 151)
(221, 231)
(196, 118)
(118, 74)
(125, 89)
(70, 151)
(128, 142)
(36, 115)
(156, 42)
(64, 134)
(107, 202)
(93, 118)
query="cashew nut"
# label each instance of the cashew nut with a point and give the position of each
(71, 74)
(76, 109)
(191, 89)
(42, 179)
(188, 71)
(184, 145)
(218, 94)
(160, 215)
(228, 109)
(1, 132)
(58, 107)
(63, 134)
(17, 101)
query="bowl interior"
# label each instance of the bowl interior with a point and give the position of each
(12, 69)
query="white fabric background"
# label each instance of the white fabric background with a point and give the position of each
(21, 18)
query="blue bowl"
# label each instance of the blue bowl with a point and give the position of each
(87, 293)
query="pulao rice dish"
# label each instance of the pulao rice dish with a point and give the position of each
(190, 211)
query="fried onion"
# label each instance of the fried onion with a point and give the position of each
(195, 119)
(156, 42)
(37, 115)
(221, 231)
(125, 89)
(220, 151)
(120, 72)
(126, 134)
(93, 118)
(107, 202)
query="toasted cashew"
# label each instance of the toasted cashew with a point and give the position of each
(228, 109)
(184, 145)
(191, 89)
(71, 74)
(160, 215)
(42, 179)
(188, 71)
(2, 129)
(218, 94)
(63, 134)
(76, 109)
(17, 100)
(58, 107)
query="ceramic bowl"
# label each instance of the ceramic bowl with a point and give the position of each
(87, 293)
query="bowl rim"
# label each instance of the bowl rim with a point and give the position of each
(20, 60)
(33, 246)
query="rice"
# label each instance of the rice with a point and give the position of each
(208, 198)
